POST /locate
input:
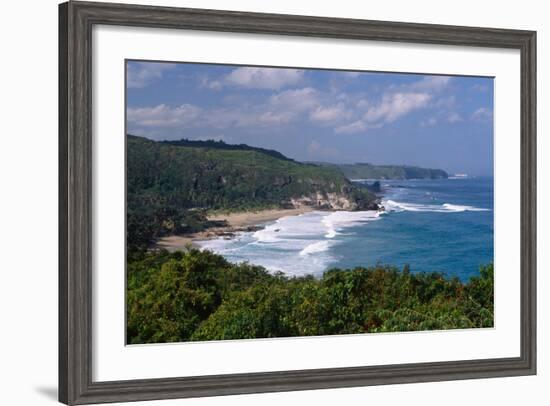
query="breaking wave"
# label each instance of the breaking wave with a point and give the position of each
(316, 247)
(295, 245)
(393, 206)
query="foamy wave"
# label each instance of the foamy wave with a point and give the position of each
(295, 245)
(316, 247)
(267, 234)
(393, 206)
(290, 227)
(336, 221)
(457, 207)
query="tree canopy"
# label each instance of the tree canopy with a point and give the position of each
(198, 295)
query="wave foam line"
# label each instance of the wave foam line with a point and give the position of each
(394, 206)
(339, 220)
(316, 247)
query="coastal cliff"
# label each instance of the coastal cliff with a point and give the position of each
(172, 186)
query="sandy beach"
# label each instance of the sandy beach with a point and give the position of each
(253, 218)
(237, 221)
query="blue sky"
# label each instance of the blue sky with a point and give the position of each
(319, 115)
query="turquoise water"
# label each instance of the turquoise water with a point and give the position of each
(431, 225)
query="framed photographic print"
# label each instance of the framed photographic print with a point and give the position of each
(257, 202)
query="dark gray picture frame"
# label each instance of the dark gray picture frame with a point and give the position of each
(76, 20)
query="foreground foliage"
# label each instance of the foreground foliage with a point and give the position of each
(198, 295)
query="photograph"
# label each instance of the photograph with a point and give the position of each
(267, 202)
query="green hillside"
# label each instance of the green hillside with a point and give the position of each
(369, 171)
(171, 185)
(229, 147)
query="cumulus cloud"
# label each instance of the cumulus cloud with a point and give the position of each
(187, 116)
(396, 105)
(329, 114)
(163, 116)
(142, 74)
(482, 114)
(211, 84)
(431, 83)
(454, 117)
(279, 109)
(345, 113)
(318, 106)
(270, 117)
(297, 100)
(397, 102)
(352, 128)
(257, 78)
(363, 104)
(446, 102)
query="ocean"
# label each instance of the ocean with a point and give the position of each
(431, 225)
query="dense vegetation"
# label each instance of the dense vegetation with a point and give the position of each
(171, 185)
(198, 295)
(368, 171)
(224, 146)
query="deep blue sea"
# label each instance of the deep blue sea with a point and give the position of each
(431, 225)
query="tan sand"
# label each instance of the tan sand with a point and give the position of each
(252, 218)
(238, 221)
(176, 242)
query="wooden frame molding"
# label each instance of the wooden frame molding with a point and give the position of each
(76, 20)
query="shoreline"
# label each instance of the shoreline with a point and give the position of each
(255, 218)
(245, 221)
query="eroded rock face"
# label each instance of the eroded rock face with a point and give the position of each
(331, 201)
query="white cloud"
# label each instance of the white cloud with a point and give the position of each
(163, 116)
(352, 128)
(454, 117)
(345, 113)
(448, 102)
(264, 78)
(482, 114)
(397, 102)
(141, 74)
(431, 83)
(213, 85)
(270, 117)
(187, 116)
(396, 105)
(329, 114)
(316, 105)
(297, 100)
(363, 104)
